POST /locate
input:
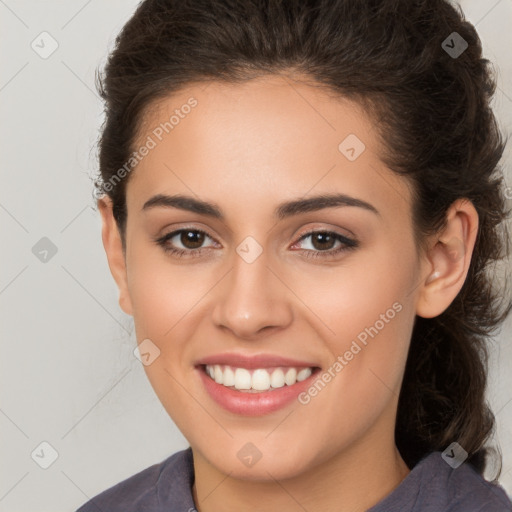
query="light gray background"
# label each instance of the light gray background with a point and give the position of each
(68, 373)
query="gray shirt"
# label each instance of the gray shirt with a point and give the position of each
(431, 486)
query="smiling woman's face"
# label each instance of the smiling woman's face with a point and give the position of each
(256, 284)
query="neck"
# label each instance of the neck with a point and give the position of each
(351, 481)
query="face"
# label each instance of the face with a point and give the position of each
(266, 283)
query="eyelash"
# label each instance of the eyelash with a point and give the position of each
(348, 244)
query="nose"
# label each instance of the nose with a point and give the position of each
(252, 300)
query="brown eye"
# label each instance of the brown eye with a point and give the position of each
(322, 240)
(184, 242)
(192, 239)
(323, 244)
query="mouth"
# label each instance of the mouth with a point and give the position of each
(254, 386)
(257, 380)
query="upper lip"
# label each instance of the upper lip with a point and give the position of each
(254, 361)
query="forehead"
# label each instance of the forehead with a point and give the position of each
(270, 136)
(264, 111)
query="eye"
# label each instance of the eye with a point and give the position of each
(188, 242)
(190, 239)
(323, 242)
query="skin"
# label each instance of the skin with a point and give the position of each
(247, 148)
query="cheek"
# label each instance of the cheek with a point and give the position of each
(366, 312)
(357, 293)
(165, 298)
(361, 382)
(169, 302)
(162, 292)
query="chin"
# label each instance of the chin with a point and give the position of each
(268, 464)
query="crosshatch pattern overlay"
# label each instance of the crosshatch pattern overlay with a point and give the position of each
(77, 414)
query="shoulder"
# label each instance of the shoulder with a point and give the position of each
(468, 491)
(150, 489)
(435, 486)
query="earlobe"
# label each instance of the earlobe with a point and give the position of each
(448, 260)
(115, 255)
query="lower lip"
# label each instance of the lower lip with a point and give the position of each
(253, 404)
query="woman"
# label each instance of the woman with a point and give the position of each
(300, 204)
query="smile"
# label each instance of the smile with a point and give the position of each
(254, 385)
(256, 380)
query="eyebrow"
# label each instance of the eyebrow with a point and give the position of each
(283, 211)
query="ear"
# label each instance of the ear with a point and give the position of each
(115, 254)
(448, 259)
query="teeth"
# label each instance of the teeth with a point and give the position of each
(242, 378)
(290, 377)
(260, 379)
(217, 374)
(229, 377)
(277, 378)
(303, 374)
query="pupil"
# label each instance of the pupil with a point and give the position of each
(322, 237)
(194, 238)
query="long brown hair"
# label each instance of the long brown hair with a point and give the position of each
(432, 111)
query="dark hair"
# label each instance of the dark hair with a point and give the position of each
(432, 111)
